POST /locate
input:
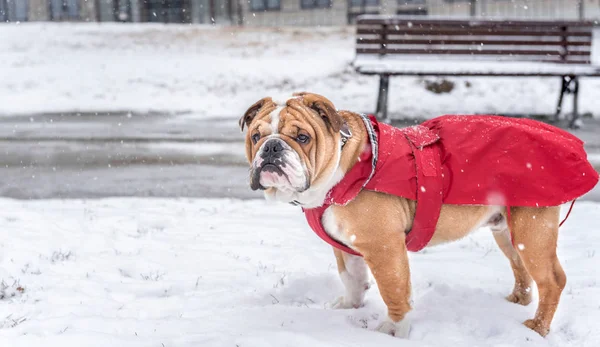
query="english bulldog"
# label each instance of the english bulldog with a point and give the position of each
(303, 150)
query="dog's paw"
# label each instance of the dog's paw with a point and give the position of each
(344, 302)
(521, 298)
(399, 329)
(537, 326)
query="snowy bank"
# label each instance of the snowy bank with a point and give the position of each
(219, 72)
(158, 272)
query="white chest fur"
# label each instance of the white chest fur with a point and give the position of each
(333, 228)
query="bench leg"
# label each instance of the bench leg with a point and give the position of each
(382, 98)
(565, 81)
(570, 85)
(575, 92)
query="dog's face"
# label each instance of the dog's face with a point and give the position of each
(293, 147)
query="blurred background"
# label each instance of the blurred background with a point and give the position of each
(285, 12)
(142, 97)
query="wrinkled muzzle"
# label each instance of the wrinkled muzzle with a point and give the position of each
(277, 165)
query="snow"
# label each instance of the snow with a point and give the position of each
(594, 158)
(466, 64)
(184, 272)
(216, 272)
(218, 72)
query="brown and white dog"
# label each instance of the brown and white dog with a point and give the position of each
(296, 152)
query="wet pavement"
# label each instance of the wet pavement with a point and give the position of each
(127, 154)
(121, 154)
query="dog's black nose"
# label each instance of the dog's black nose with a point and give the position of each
(272, 149)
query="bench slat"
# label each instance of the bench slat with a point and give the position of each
(479, 74)
(459, 66)
(484, 42)
(470, 22)
(425, 50)
(471, 32)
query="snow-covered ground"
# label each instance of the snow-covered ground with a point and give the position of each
(219, 72)
(158, 272)
(215, 272)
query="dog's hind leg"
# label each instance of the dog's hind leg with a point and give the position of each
(535, 233)
(521, 293)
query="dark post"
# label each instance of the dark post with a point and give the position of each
(240, 13)
(3, 11)
(97, 10)
(472, 8)
(211, 11)
(348, 11)
(564, 43)
(581, 9)
(115, 10)
(230, 10)
(383, 37)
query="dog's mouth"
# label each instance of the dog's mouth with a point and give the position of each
(269, 172)
(272, 168)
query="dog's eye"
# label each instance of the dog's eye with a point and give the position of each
(255, 138)
(303, 138)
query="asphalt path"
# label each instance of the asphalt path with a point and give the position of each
(54, 156)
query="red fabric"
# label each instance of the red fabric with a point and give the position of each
(510, 162)
(482, 160)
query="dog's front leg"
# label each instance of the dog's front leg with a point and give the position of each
(355, 276)
(389, 264)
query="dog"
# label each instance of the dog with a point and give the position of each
(421, 187)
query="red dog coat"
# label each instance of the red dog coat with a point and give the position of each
(464, 160)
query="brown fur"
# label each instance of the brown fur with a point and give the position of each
(293, 120)
(385, 251)
(384, 248)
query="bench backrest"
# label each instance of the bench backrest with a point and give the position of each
(567, 42)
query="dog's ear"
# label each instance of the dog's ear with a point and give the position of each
(329, 114)
(324, 108)
(251, 112)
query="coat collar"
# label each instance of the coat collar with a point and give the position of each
(361, 172)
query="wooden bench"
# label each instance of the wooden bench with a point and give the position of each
(421, 46)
